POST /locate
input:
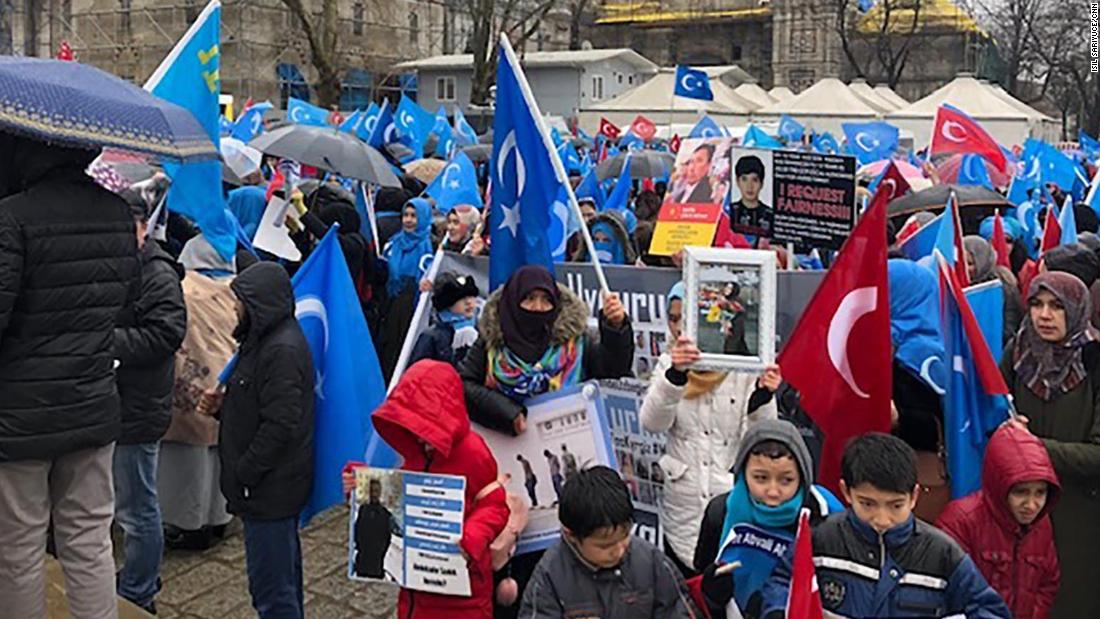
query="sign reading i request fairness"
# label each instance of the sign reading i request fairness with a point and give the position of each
(793, 196)
(434, 506)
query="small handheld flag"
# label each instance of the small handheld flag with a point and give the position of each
(692, 83)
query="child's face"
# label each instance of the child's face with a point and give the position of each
(749, 184)
(465, 307)
(605, 548)
(772, 481)
(408, 219)
(1026, 499)
(882, 510)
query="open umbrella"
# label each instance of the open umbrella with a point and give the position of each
(425, 170)
(329, 149)
(240, 158)
(479, 153)
(975, 204)
(643, 164)
(82, 106)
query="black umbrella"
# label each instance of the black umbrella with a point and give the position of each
(399, 151)
(328, 149)
(643, 164)
(479, 153)
(975, 203)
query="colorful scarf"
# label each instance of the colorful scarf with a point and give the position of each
(559, 367)
(1049, 369)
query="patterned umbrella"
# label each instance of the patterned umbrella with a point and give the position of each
(80, 105)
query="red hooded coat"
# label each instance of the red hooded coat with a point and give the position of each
(428, 407)
(1019, 562)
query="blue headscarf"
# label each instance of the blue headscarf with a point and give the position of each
(915, 323)
(406, 250)
(678, 291)
(248, 204)
(610, 251)
(1012, 226)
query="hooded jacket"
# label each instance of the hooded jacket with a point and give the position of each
(1019, 562)
(266, 434)
(609, 356)
(68, 264)
(149, 333)
(612, 221)
(704, 434)
(427, 407)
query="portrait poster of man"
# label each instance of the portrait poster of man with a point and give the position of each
(701, 174)
(751, 201)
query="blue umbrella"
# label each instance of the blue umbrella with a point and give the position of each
(80, 105)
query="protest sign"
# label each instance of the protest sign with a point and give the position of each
(637, 451)
(566, 432)
(804, 198)
(405, 528)
(272, 234)
(697, 189)
(680, 225)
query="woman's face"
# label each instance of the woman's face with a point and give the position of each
(971, 267)
(537, 301)
(1049, 316)
(588, 212)
(455, 229)
(408, 219)
(772, 481)
(675, 318)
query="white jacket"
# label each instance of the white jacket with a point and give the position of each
(704, 434)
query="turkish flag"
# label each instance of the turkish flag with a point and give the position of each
(643, 128)
(674, 144)
(65, 52)
(803, 600)
(1000, 242)
(1052, 231)
(845, 381)
(277, 183)
(609, 130)
(955, 132)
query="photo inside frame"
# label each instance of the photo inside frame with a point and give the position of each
(728, 310)
(376, 526)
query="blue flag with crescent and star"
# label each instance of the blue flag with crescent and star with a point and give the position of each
(525, 184)
(873, 141)
(456, 184)
(413, 122)
(790, 129)
(189, 77)
(382, 131)
(707, 128)
(463, 132)
(692, 83)
(305, 113)
(348, 378)
(251, 123)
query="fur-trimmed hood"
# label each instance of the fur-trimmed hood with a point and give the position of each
(572, 321)
(622, 236)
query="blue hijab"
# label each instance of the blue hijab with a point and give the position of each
(915, 322)
(406, 250)
(610, 251)
(248, 205)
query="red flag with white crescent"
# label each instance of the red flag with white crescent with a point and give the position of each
(955, 132)
(643, 128)
(674, 144)
(609, 130)
(803, 599)
(65, 52)
(839, 355)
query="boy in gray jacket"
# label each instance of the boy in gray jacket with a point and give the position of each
(598, 569)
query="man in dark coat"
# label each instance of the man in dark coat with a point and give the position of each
(149, 332)
(374, 529)
(68, 259)
(265, 439)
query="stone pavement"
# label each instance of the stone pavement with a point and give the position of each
(213, 584)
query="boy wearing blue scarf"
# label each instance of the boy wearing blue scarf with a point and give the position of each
(454, 329)
(752, 526)
(876, 559)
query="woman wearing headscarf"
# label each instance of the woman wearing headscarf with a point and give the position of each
(981, 261)
(705, 415)
(248, 204)
(407, 255)
(1052, 369)
(462, 222)
(610, 238)
(919, 376)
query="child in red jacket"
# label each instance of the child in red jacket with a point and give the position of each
(425, 421)
(1005, 526)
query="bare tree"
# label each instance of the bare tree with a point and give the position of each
(323, 39)
(578, 12)
(885, 51)
(32, 11)
(7, 11)
(1014, 24)
(1062, 45)
(516, 19)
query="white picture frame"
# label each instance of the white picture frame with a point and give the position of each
(713, 271)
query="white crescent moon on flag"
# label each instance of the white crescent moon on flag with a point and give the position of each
(685, 85)
(509, 144)
(862, 136)
(311, 306)
(946, 131)
(387, 135)
(561, 212)
(370, 123)
(406, 120)
(893, 184)
(257, 121)
(855, 305)
(296, 115)
(447, 173)
(924, 373)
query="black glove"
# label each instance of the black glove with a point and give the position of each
(717, 589)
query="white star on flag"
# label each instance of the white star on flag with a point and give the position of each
(511, 219)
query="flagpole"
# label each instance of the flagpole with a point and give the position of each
(555, 161)
(1092, 187)
(369, 203)
(418, 316)
(672, 105)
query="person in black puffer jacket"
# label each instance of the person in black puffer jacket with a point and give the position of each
(68, 258)
(149, 333)
(266, 436)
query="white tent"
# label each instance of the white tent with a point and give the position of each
(753, 92)
(1043, 126)
(825, 106)
(868, 95)
(654, 100)
(781, 93)
(887, 93)
(1003, 120)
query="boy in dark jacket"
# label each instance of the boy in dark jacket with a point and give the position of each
(598, 569)
(149, 332)
(454, 329)
(876, 559)
(265, 438)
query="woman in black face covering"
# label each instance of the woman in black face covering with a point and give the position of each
(533, 339)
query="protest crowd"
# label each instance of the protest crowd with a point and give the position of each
(376, 314)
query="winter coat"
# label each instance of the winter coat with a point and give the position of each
(427, 406)
(266, 435)
(704, 435)
(1019, 562)
(644, 585)
(611, 356)
(437, 343)
(68, 265)
(1069, 426)
(912, 570)
(622, 237)
(149, 333)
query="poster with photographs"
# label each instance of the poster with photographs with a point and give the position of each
(405, 528)
(566, 432)
(698, 186)
(804, 198)
(729, 308)
(637, 452)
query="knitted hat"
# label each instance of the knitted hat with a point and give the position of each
(450, 289)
